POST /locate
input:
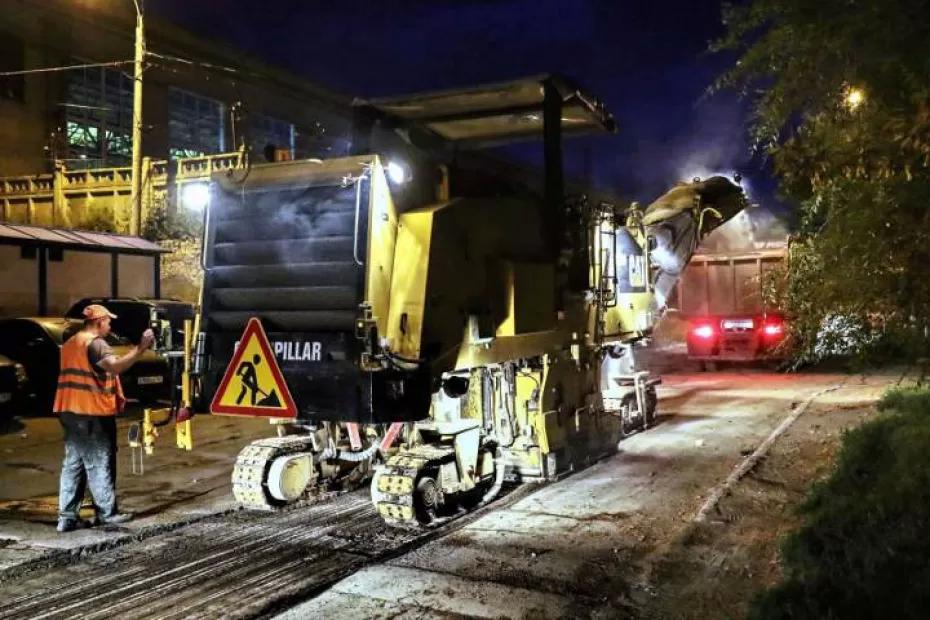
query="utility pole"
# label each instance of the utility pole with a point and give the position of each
(135, 221)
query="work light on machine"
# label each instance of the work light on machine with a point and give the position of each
(195, 196)
(398, 172)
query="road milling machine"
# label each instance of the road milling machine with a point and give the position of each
(420, 314)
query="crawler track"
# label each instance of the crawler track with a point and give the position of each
(237, 566)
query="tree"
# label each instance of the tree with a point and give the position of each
(840, 94)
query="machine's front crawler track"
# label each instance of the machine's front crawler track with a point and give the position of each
(406, 490)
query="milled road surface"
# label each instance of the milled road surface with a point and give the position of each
(579, 547)
(177, 486)
(234, 566)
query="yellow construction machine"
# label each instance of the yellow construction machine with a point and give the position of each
(421, 314)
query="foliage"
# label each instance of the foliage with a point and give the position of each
(181, 273)
(862, 549)
(859, 169)
(166, 222)
(99, 220)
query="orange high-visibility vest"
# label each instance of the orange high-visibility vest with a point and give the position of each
(80, 389)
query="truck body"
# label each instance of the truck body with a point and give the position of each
(720, 296)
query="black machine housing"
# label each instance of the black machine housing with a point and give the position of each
(287, 251)
(288, 254)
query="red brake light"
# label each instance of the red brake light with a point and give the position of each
(704, 331)
(772, 329)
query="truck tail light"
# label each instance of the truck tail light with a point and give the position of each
(773, 328)
(705, 331)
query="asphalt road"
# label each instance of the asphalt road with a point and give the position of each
(564, 549)
(177, 485)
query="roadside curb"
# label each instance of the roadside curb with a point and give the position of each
(750, 462)
(704, 517)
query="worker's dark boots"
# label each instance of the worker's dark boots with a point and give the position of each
(69, 525)
(115, 519)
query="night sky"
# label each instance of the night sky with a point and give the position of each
(646, 60)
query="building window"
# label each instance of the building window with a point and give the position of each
(267, 133)
(12, 58)
(195, 125)
(98, 118)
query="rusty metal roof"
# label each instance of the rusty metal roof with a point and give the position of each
(66, 237)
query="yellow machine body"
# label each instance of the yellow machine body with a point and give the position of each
(496, 320)
(468, 258)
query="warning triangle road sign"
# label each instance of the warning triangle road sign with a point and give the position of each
(253, 384)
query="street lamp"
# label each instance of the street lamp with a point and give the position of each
(135, 221)
(854, 98)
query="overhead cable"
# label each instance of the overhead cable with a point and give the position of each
(197, 63)
(112, 63)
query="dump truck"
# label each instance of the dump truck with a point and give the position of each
(721, 297)
(418, 315)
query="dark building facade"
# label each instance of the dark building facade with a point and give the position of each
(200, 97)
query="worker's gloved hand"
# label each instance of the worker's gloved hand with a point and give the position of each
(148, 339)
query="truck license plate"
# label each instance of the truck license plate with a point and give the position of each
(737, 324)
(151, 380)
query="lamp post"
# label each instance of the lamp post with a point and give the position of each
(135, 221)
(854, 98)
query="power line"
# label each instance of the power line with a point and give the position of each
(167, 58)
(238, 75)
(197, 63)
(92, 65)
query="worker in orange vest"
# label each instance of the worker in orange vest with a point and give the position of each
(88, 398)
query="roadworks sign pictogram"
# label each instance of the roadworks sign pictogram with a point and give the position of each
(253, 384)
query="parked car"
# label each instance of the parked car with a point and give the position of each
(12, 382)
(136, 314)
(35, 343)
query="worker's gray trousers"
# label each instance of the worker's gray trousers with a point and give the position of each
(90, 460)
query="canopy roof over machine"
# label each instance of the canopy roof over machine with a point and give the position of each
(495, 114)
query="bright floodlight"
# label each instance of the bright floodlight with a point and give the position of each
(195, 196)
(397, 172)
